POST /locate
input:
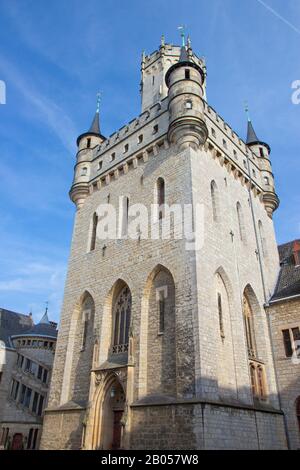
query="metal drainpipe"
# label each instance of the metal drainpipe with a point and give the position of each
(266, 300)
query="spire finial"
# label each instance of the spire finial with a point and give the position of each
(44, 318)
(189, 42)
(162, 40)
(182, 34)
(98, 102)
(247, 110)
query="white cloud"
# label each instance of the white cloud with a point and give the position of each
(48, 112)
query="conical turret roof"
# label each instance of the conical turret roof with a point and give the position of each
(94, 128)
(252, 138)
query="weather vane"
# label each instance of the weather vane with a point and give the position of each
(182, 34)
(98, 101)
(247, 110)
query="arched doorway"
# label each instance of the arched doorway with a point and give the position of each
(111, 417)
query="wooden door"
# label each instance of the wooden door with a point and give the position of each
(17, 442)
(117, 430)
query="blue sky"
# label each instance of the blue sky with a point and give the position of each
(55, 56)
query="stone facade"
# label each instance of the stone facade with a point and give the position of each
(25, 366)
(185, 374)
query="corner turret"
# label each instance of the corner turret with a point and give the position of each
(185, 80)
(85, 142)
(262, 152)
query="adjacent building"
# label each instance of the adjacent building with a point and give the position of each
(284, 314)
(27, 352)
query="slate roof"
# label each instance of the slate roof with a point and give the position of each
(252, 138)
(288, 283)
(251, 134)
(14, 324)
(94, 128)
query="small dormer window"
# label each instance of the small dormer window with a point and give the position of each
(100, 165)
(261, 152)
(213, 132)
(126, 148)
(88, 142)
(188, 104)
(140, 138)
(84, 171)
(112, 157)
(187, 74)
(266, 180)
(224, 144)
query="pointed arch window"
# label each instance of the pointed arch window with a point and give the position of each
(258, 381)
(249, 328)
(121, 316)
(253, 379)
(241, 222)
(215, 201)
(87, 317)
(160, 196)
(94, 232)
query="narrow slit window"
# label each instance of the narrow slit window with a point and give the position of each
(220, 311)
(160, 187)
(94, 232)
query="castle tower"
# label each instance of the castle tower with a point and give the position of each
(262, 151)
(163, 311)
(86, 144)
